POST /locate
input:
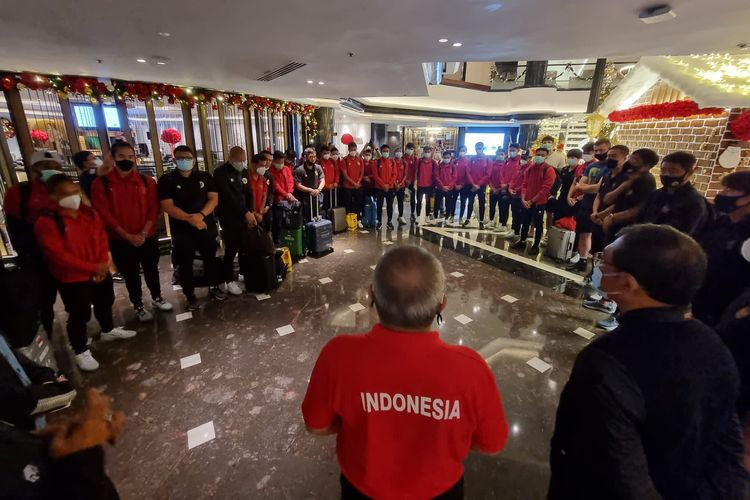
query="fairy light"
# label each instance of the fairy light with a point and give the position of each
(728, 72)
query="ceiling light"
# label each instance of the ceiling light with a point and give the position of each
(493, 7)
(165, 34)
(321, 83)
(310, 82)
(160, 63)
(141, 61)
(457, 44)
(443, 40)
(657, 14)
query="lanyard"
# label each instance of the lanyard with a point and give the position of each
(39, 421)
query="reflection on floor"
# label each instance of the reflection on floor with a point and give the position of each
(214, 399)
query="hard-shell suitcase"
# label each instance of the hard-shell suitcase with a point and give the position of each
(337, 215)
(292, 239)
(560, 243)
(370, 215)
(319, 234)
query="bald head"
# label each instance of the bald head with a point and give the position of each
(408, 288)
(237, 154)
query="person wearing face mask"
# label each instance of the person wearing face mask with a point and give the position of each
(328, 164)
(86, 164)
(649, 409)
(410, 160)
(127, 202)
(384, 178)
(368, 164)
(235, 212)
(406, 407)
(424, 175)
(677, 203)
(513, 173)
(498, 192)
(477, 176)
(352, 172)
(537, 182)
(727, 244)
(445, 182)
(284, 199)
(75, 247)
(567, 177)
(338, 164)
(400, 166)
(309, 181)
(556, 159)
(189, 196)
(462, 188)
(573, 201)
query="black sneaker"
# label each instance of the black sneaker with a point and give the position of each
(215, 293)
(192, 302)
(579, 266)
(118, 278)
(519, 245)
(466, 223)
(534, 250)
(481, 225)
(379, 226)
(390, 226)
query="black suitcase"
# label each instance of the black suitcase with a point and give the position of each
(261, 277)
(337, 215)
(319, 234)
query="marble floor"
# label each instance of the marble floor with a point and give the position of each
(228, 372)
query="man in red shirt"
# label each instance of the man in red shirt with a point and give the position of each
(384, 177)
(259, 186)
(368, 185)
(462, 188)
(23, 205)
(411, 161)
(400, 165)
(477, 175)
(75, 245)
(424, 170)
(353, 172)
(515, 167)
(537, 183)
(497, 189)
(332, 177)
(406, 406)
(126, 201)
(445, 182)
(283, 183)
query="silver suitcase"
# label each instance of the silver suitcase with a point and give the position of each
(560, 243)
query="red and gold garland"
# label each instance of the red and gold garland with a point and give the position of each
(65, 85)
(676, 109)
(740, 126)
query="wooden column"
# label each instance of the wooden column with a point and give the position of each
(101, 127)
(187, 121)
(70, 126)
(154, 133)
(7, 168)
(122, 113)
(248, 122)
(205, 137)
(223, 129)
(18, 118)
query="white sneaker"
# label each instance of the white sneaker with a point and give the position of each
(233, 288)
(574, 259)
(360, 225)
(143, 315)
(161, 304)
(86, 361)
(508, 233)
(118, 333)
(490, 224)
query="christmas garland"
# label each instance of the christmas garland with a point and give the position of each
(90, 87)
(740, 126)
(676, 109)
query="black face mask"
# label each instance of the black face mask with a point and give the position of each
(628, 169)
(600, 156)
(125, 165)
(725, 203)
(611, 163)
(671, 181)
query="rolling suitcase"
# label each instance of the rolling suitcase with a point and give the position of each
(292, 239)
(560, 243)
(337, 215)
(319, 234)
(262, 276)
(370, 215)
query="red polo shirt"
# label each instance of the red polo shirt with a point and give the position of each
(259, 185)
(410, 408)
(74, 255)
(127, 203)
(354, 168)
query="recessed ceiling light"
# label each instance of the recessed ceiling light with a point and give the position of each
(321, 83)
(160, 63)
(310, 82)
(443, 40)
(457, 44)
(165, 34)
(743, 46)
(141, 61)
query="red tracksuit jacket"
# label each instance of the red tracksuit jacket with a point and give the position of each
(331, 173)
(38, 201)
(354, 167)
(537, 182)
(400, 166)
(445, 175)
(384, 172)
(410, 161)
(126, 204)
(424, 171)
(462, 166)
(283, 183)
(479, 170)
(510, 171)
(517, 182)
(74, 255)
(496, 174)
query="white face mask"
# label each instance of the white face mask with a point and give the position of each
(512, 154)
(587, 158)
(326, 156)
(261, 170)
(239, 166)
(367, 157)
(399, 154)
(426, 155)
(73, 201)
(97, 162)
(353, 153)
(410, 151)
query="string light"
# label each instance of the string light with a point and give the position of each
(728, 72)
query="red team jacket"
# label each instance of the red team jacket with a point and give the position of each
(74, 254)
(354, 168)
(537, 182)
(38, 201)
(510, 171)
(126, 203)
(424, 170)
(496, 174)
(479, 170)
(411, 162)
(517, 182)
(445, 175)
(283, 182)
(331, 173)
(367, 168)
(462, 166)
(400, 166)
(384, 172)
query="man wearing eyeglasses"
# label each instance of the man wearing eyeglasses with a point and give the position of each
(649, 409)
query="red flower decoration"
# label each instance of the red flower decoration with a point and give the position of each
(740, 126)
(39, 135)
(171, 136)
(676, 109)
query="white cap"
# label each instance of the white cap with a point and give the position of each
(45, 156)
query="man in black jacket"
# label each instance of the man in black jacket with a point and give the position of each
(649, 410)
(235, 211)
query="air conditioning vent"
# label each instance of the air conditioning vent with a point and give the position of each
(279, 72)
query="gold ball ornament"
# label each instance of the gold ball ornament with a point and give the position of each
(594, 124)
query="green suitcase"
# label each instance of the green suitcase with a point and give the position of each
(292, 238)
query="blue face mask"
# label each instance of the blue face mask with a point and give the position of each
(184, 164)
(46, 175)
(539, 160)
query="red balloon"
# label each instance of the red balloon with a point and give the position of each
(347, 138)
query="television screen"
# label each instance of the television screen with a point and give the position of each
(111, 117)
(84, 116)
(491, 140)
